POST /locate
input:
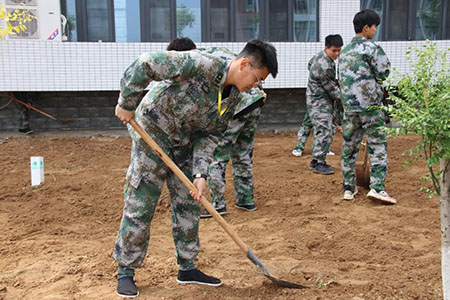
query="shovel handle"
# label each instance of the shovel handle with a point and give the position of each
(174, 168)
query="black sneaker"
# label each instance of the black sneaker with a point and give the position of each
(197, 277)
(27, 130)
(205, 214)
(222, 211)
(248, 207)
(312, 164)
(323, 168)
(126, 287)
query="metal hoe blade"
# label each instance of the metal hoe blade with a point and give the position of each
(270, 274)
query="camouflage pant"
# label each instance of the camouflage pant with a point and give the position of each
(144, 180)
(322, 120)
(237, 143)
(22, 111)
(303, 132)
(370, 123)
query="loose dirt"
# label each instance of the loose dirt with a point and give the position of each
(57, 238)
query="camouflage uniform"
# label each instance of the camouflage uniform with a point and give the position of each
(321, 93)
(181, 114)
(363, 65)
(303, 132)
(237, 144)
(22, 111)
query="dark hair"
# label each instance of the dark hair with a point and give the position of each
(262, 54)
(181, 44)
(365, 17)
(334, 40)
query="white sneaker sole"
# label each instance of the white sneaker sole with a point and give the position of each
(351, 197)
(381, 199)
(199, 282)
(296, 154)
(127, 296)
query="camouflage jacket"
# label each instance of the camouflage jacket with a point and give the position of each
(322, 83)
(362, 67)
(185, 104)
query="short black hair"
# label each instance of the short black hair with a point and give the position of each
(262, 54)
(333, 40)
(365, 17)
(181, 44)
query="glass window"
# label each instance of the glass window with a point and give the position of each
(98, 25)
(377, 6)
(220, 21)
(189, 20)
(447, 31)
(428, 19)
(247, 20)
(398, 20)
(305, 21)
(278, 20)
(159, 26)
(127, 20)
(69, 20)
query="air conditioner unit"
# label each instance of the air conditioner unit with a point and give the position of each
(46, 24)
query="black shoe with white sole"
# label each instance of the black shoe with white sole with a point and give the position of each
(197, 277)
(126, 287)
(247, 207)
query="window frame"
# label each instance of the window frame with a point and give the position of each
(82, 29)
(264, 24)
(412, 19)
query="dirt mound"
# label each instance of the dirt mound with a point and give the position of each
(58, 238)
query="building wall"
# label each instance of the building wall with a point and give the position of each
(95, 110)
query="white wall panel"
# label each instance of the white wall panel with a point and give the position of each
(57, 66)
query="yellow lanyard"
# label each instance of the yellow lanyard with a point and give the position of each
(221, 111)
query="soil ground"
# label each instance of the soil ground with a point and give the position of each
(57, 238)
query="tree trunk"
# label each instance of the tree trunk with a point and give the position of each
(445, 226)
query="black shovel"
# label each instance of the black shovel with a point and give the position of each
(250, 255)
(60, 121)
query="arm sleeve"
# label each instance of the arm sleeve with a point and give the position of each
(155, 66)
(203, 152)
(329, 83)
(380, 64)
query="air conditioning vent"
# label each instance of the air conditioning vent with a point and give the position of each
(32, 31)
(23, 2)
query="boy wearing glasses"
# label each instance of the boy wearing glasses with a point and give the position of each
(186, 115)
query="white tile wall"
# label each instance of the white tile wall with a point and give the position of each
(59, 66)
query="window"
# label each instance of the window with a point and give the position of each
(127, 20)
(189, 19)
(99, 15)
(220, 28)
(410, 19)
(247, 20)
(88, 21)
(278, 21)
(273, 20)
(69, 17)
(305, 20)
(200, 20)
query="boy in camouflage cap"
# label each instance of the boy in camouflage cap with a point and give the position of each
(186, 115)
(363, 65)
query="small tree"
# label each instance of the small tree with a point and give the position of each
(421, 105)
(14, 22)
